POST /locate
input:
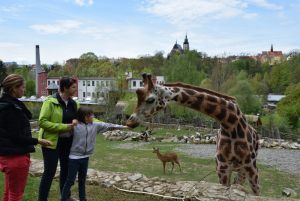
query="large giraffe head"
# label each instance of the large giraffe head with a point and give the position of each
(149, 102)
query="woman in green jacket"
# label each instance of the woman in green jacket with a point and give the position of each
(55, 123)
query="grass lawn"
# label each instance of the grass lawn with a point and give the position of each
(108, 157)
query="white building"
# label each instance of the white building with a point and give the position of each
(94, 87)
(135, 83)
(88, 88)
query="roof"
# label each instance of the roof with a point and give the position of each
(52, 86)
(275, 98)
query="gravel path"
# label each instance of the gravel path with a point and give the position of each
(282, 159)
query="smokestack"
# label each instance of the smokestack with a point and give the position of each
(37, 68)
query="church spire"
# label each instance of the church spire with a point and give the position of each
(271, 47)
(186, 46)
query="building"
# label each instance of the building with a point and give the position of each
(272, 100)
(272, 57)
(94, 87)
(88, 88)
(178, 49)
(135, 83)
(42, 85)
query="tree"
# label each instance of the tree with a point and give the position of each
(30, 88)
(3, 73)
(183, 68)
(279, 78)
(290, 105)
(220, 73)
(244, 93)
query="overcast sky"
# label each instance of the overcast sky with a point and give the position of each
(66, 29)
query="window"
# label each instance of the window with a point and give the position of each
(83, 84)
(88, 83)
(134, 83)
(141, 83)
(53, 81)
(93, 94)
(48, 82)
(93, 83)
(97, 83)
(83, 94)
(88, 94)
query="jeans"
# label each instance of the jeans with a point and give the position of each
(16, 170)
(80, 166)
(51, 157)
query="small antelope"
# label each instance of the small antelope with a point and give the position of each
(168, 157)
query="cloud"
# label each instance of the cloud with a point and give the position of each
(9, 45)
(176, 11)
(98, 32)
(84, 2)
(59, 27)
(265, 4)
(12, 10)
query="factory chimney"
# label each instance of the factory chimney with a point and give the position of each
(37, 69)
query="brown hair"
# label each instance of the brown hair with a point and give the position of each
(66, 82)
(11, 81)
(83, 112)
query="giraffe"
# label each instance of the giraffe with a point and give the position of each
(237, 141)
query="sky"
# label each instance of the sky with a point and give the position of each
(66, 29)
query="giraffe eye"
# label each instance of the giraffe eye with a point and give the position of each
(150, 100)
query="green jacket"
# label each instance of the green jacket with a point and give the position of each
(50, 121)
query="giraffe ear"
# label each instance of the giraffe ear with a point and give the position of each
(150, 83)
(145, 80)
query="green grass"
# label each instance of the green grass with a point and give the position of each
(108, 157)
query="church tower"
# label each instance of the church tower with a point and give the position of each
(271, 47)
(186, 46)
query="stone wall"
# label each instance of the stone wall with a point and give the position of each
(180, 190)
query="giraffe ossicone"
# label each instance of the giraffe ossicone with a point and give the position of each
(237, 141)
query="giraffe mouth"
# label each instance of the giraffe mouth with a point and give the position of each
(133, 121)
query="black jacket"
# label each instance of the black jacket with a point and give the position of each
(15, 131)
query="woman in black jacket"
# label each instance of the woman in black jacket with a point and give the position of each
(16, 141)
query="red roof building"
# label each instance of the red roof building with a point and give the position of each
(272, 57)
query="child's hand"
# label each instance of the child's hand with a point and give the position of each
(44, 142)
(74, 122)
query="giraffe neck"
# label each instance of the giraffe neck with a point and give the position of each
(221, 109)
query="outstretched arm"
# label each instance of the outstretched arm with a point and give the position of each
(103, 127)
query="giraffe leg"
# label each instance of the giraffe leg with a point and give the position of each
(252, 175)
(224, 174)
(240, 178)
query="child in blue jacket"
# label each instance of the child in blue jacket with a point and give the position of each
(83, 144)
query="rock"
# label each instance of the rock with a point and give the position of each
(135, 177)
(288, 192)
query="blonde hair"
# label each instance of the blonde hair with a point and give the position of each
(11, 81)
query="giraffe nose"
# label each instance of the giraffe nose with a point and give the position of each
(132, 121)
(132, 124)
